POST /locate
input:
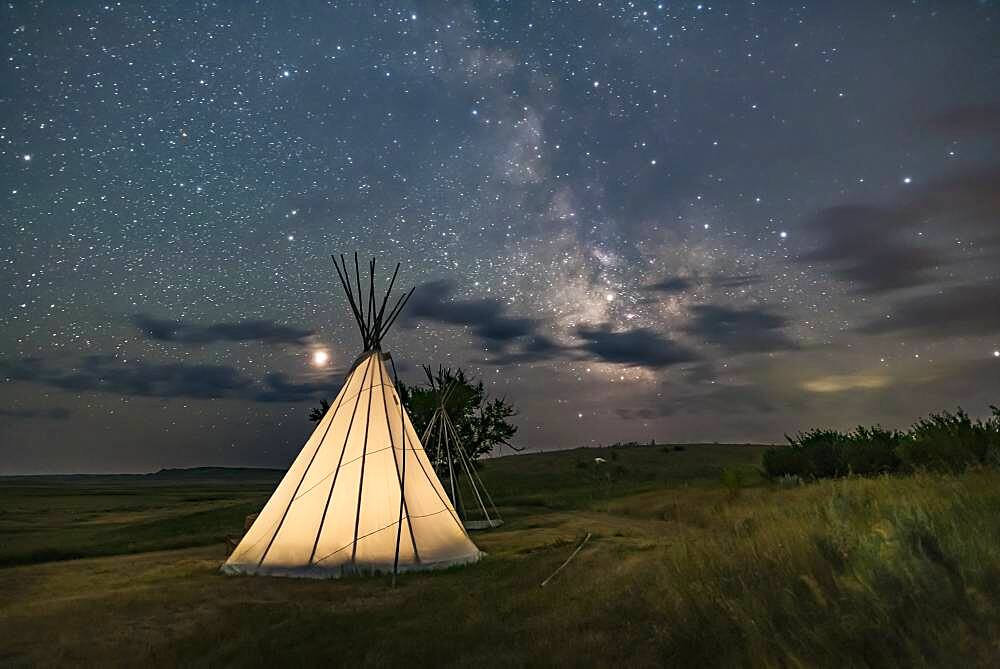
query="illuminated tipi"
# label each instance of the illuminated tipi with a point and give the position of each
(362, 496)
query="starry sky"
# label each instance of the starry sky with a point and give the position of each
(636, 220)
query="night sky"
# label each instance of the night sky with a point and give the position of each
(674, 220)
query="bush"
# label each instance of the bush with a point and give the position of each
(941, 442)
(870, 451)
(811, 455)
(951, 442)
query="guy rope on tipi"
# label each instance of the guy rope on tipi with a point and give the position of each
(361, 497)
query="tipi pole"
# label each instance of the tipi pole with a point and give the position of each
(443, 436)
(402, 481)
(459, 503)
(336, 472)
(346, 283)
(385, 300)
(333, 416)
(361, 304)
(443, 500)
(361, 478)
(398, 309)
(371, 294)
(481, 485)
(465, 462)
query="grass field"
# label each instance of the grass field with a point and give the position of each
(682, 570)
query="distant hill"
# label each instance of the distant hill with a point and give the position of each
(190, 474)
(215, 473)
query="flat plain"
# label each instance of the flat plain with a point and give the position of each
(694, 560)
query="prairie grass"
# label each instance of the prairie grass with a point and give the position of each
(889, 571)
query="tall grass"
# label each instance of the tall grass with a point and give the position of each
(879, 571)
(883, 572)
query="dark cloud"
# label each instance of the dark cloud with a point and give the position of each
(901, 245)
(279, 388)
(164, 380)
(537, 348)
(635, 348)
(268, 332)
(680, 284)
(752, 329)
(672, 284)
(54, 413)
(487, 317)
(873, 248)
(958, 311)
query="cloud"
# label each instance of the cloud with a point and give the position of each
(873, 248)
(838, 383)
(672, 284)
(268, 332)
(100, 373)
(752, 329)
(969, 310)
(54, 413)
(640, 347)
(279, 388)
(487, 317)
(681, 284)
(882, 248)
(734, 281)
(534, 349)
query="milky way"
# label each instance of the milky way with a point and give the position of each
(675, 221)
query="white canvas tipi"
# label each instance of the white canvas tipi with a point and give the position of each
(362, 496)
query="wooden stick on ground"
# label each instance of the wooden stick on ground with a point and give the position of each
(572, 555)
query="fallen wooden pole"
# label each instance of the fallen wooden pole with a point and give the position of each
(572, 555)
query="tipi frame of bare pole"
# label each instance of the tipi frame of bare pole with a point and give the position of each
(451, 452)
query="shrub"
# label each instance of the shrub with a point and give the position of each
(870, 451)
(951, 442)
(866, 451)
(810, 455)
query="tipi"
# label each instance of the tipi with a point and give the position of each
(478, 512)
(362, 496)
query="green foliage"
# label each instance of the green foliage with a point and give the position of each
(870, 451)
(317, 413)
(480, 421)
(952, 442)
(943, 442)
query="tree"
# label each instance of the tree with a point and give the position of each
(316, 415)
(480, 421)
